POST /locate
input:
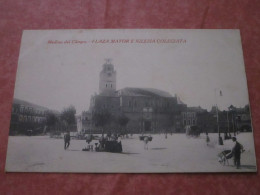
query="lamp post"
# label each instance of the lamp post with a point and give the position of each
(232, 109)
(220, 140)
(228, 123)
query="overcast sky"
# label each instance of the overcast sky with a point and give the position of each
(59, 75)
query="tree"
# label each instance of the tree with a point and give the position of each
(51, 119)
(122, 120)
(101, 119)
(68, 116)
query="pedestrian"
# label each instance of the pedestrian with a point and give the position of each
(146, 140)
(66, 140)
(207, 140)
(236, 151)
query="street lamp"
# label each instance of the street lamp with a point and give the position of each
(232, 109)
(220, 140)
(228, 123)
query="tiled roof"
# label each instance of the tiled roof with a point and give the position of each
(35, 106)
(128, 91)
(25, 103)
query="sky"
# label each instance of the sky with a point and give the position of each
(59, 74)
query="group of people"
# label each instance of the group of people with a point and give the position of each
(108, 143)
(236, 150)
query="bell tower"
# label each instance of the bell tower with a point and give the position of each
(107, 79)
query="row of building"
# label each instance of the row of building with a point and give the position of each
(137, 110)
(147, 109)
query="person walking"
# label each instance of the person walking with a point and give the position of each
(146, 140)
(236, 151)
(207, 139)
(66, 140)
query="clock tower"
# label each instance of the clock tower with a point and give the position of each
(107, 79)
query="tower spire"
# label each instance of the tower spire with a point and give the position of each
(107, 79)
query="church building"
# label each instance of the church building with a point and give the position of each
(147, 109)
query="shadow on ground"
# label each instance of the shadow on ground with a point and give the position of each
(157, 148)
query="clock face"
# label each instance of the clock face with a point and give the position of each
(109, 74)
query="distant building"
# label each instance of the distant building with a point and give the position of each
(240, 118)
(190, 115)
(147, 109)
(84, 122)
(27, 116)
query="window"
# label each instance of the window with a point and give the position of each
(21, 118)
(106, 85)
(129, 103)
(111, 85)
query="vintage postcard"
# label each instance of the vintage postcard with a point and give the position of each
(131, 101)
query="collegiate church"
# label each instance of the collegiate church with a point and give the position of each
(148, 109)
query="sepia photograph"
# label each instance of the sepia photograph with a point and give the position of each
(131, 101)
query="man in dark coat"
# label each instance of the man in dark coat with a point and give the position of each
(237, 149)
(66, 140)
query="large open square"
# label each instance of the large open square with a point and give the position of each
(177, 153)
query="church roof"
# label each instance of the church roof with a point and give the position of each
(129, 91)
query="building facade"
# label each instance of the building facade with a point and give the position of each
(148, 109)
(152, 110)
(27, 116)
